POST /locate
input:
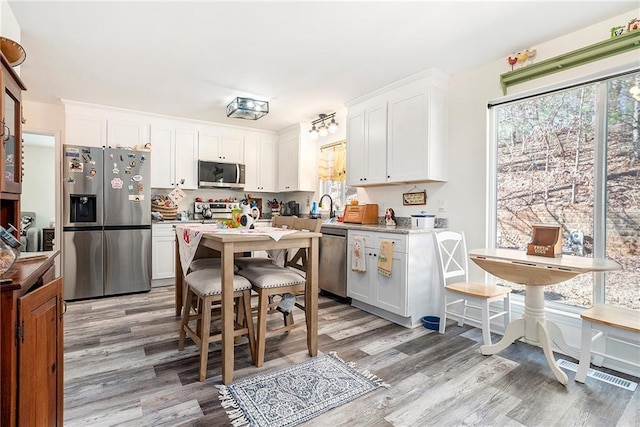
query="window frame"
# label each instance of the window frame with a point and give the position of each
(600, 173)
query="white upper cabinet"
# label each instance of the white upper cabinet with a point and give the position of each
(85, 126)
(217, 144)
(127, 130)
(98, 127)
(260, 157)
(174, 154)
(399, 133)
(367, 143)
(417, 133)
(297, 160)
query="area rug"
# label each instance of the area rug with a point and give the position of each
(296, 394)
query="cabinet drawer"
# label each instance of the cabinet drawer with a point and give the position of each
(369, 240)
(399, 241)
(373, 239)
(158, 230)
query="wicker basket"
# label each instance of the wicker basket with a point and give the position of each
(167, 212)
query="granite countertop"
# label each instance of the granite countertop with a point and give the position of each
(399, 229)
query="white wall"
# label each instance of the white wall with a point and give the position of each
(9, 27)
(38, 187)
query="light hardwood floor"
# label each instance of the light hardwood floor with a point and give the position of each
(122, 368)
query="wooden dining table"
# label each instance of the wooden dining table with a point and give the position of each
(228, 243)
(536, 272)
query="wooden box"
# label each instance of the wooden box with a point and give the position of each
(361, 214)
(546, 241)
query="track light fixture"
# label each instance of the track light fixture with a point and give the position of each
(319, 127)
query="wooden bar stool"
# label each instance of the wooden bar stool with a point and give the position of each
(290, 281)
(608, 320)
(204, 286)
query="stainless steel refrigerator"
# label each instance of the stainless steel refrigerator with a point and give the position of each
(107, 221)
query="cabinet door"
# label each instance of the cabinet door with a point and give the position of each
(358, 283)
(219, 145)
(11, 169)
(356, 149)
(232, 149)
(267, 165)
(186, 158)
(209, 144)
(40, 356)
(376, 143)
(260, 163)
(288, 164)
(163, 257)
(252, 163)
(162, 159)
(390, 293)
(127, 133)
(86, 129)
(408, 140)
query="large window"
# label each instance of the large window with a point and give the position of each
(571, 158)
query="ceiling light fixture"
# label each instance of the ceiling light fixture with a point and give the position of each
(323, 128)
(247, 108)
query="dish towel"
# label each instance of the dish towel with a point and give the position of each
(385, 258)
(357, 260)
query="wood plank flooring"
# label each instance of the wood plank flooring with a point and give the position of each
(122, 368)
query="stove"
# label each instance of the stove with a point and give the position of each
(219, 210)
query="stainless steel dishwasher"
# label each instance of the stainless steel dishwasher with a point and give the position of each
(332, 276)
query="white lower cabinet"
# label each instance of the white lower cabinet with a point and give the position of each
(412, 290)
(163, 266)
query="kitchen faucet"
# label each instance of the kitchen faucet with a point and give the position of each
(332, 214)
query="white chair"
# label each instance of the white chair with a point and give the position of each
(619, 322)
(462, 295)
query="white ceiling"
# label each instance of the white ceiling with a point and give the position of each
(190, 59)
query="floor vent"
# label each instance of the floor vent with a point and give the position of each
(601, 376)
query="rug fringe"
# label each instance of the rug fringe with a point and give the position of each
(376, 379)
(236, 416)
(366, 373)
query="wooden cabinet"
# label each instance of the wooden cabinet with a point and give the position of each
(11, 147)
(297, 161)
(260, 156)
(412, 290)
(163, 238)
(218, 144)
(399, 134)
(174, 155)
(31, 360)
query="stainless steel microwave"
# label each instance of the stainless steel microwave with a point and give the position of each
(220, 175)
